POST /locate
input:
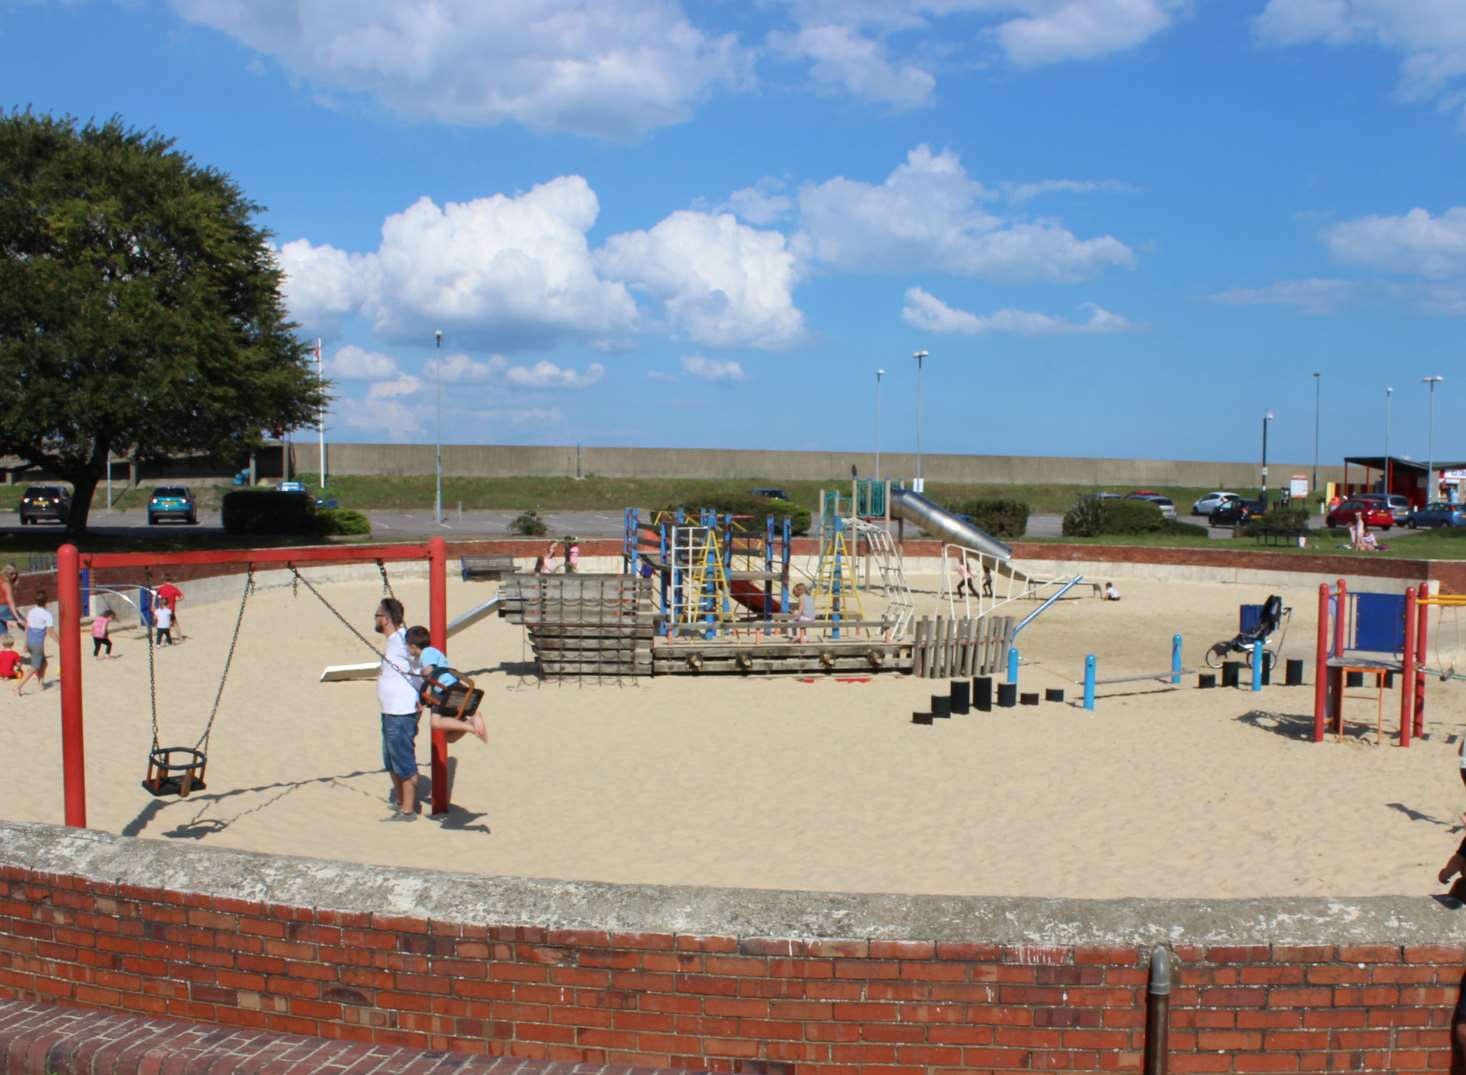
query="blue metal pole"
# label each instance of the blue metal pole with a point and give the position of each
(1176, 659)
(1012, 664)
(1257, 659)
(1089, 682)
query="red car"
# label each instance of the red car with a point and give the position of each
(1374, 514)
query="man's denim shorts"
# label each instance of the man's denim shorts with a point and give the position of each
(399, 744)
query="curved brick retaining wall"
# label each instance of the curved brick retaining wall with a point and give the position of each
(724, 979)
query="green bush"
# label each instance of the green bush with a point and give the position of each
(1288, 520)
(1001, 518)
(756, 508)
(1180, 529)
(529, 524)
(263, 511)
(1085, 519)
(341, 521)
(1091, 517)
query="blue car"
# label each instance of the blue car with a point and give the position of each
(1439, 514)
(172, 502)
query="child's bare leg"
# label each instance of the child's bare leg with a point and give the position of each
(452, 728)
(480, 729)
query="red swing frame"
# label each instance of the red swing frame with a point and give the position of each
(69, 564)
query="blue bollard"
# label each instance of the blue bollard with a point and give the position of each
(1257, 659)
(1176, 659)
(1089, 682)
(1012, 664)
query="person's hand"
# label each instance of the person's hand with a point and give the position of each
(1445, 874)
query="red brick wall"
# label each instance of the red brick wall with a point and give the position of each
(730, 1003)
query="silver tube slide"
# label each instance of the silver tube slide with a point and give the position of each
(941, 523)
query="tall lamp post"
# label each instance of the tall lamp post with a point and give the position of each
(1432, 487)
(1267, 416)
(919, 356)
(879, 375)
(1389, 396)
(1316, 381)
(438, 455)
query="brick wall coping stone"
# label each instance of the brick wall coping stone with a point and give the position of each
(470, 899)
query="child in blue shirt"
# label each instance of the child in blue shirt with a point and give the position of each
(437, 678)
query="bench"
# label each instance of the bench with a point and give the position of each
(486, 568)
(1274, 535)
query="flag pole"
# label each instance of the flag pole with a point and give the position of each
(321, 420)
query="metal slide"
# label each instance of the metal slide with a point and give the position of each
(941, 523)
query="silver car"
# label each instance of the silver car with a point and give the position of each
(1212, 501)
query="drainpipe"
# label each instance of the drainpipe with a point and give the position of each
(1157, 1012)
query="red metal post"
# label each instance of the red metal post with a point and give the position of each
(1341, 641)
(1321, 668)
(438, 629)
(73, 743)
(1421, 654)
(1341, 621)
(1407, 671)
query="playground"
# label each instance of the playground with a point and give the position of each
(816, 781)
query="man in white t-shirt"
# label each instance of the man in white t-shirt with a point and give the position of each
(398, 684)
(38, 624)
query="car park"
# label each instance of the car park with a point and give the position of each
(1437, 514)
(1168, 509)
(52, 502)
(172, 502)
(1234, 511)
(1374, 514)
(1207, 504)
(1398, 506)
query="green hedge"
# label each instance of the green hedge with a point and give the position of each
(1284, 520)
(1091, 517)
(1001, 518)
(758, 507)
(341, 521)
(261, 511)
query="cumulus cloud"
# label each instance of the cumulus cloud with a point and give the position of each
(1416, 243)
(1428, 35)
(380, 419)
(1018, 193)
(720, 282)
(1054, 31)
(711, 369)
(928, 313)
(842, 58)
(761, 204)
(929, 214)
(353, 363)
(611, 68)
(460, 369)
(1310, 296)
(322, 284)
(402, 385)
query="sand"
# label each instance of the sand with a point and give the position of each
(776, 783)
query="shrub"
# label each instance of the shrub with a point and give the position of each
(1001, 518)
(261, 511)
(1289, 520)
(1085, 518)
(1180, 529)
(1091, 516)
(755, 507)
(529, 524)
(341, 521)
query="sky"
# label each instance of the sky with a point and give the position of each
(1123, 228)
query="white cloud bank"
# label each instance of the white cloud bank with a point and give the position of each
(712, 369)
(1416, 243)
(928, 313)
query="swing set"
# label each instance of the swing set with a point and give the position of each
(176, 770)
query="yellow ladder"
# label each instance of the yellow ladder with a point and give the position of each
(705, 595)
(835, 589)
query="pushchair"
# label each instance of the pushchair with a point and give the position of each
(1273, 617)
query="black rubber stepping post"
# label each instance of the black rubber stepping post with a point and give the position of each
(1206, 680)
(1293, 672)
(941, 706)
(921, 718)
(1231, 673)
(961, 694)
(1007, 695)
(1053, 694)
(1028, 698)
(982, 693)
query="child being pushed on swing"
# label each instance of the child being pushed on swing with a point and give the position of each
(437, 677)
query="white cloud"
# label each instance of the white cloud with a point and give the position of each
(612, 69)
(1054, 31)
(761, 204)
(929, 215)
(928, 313)
(1416, 243)
(1019, 193)
(380, 419)
(322, 284)
(1429, 35)
(711, 369)
(403, 385)
(841, 58)
(721, 283)
(1311, 296)
(353, 363)
(460, 369)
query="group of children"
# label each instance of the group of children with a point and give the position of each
(38, 624)
(547, 564)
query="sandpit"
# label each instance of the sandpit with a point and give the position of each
(777, 783)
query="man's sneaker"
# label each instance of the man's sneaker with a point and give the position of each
(400, 816)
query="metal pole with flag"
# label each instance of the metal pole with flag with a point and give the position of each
(321, 420)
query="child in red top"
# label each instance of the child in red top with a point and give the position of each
(9, 659)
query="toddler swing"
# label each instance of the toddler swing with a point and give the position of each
(180, 770)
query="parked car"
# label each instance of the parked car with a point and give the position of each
(45, 502)
(291, 487)
(1438, 514)
(770, 491)
(172, 502)
(1212, 501)
(1168, 509)
(1375, 514)
(1234, 511)
(1399, 506)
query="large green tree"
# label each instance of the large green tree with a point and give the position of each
(140, 307)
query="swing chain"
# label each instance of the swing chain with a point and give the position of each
(249, 585)
(143, 619)
(347, 623)
(386, 582)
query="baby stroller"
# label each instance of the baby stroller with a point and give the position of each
(1274, 615)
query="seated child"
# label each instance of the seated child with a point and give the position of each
(437, 678)
(9, 659)
(1111, 594)
(804, 612)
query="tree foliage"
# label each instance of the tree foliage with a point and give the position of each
(140, 308)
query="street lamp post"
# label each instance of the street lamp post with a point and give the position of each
(919, 356)
(1267, 416)
(1316, 381)
(1389, 396)
(1432, 487)
(879, 375)
(438, 454)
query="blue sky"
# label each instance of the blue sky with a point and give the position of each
(1119, 227)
